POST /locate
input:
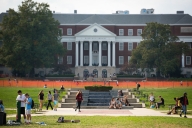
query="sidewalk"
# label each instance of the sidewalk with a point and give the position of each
(104, 112)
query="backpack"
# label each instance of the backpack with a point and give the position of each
(32, 104)
(60, 119)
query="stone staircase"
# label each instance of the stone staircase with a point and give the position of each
(97, 100)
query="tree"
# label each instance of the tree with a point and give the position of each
(31, 37)
(159, 49)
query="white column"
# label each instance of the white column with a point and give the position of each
(183, 60)
(81, 54)
(109, 53)
(90, 53)
(113, 54)
(100, 53)
(77, 53)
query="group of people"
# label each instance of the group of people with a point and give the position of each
(180, 103)
(26, 103)
(119, 102)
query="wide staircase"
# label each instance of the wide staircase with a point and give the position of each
(98, 100)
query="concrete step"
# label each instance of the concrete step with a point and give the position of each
(104, 107)
(67, 105)
(137, 105)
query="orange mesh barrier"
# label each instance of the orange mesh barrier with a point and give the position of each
(81, 84)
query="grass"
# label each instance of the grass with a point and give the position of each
(111, 122)
(9, 94)
(168, 94)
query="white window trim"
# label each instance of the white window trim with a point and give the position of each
(131, 30)
(121, 32)
(129, 47)
(138, 30)
(60, 60)
(121, 43)
(69, 31)
(190, 60)
(121, 57)
(69, 62)
(68, 45)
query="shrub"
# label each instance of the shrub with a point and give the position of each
(98, 88)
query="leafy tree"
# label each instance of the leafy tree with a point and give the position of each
(159, 49)
(31, 37)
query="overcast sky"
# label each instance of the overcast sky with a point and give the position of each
(108, 6)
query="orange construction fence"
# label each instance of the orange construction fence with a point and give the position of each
(81, 84)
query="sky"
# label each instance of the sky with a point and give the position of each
(107, 6)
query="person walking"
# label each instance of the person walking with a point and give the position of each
(21, 98)
(79, 98)
(50, 99)
(2, 109)
(28, 108)
(56, 98)
(184, 102)
(41, 98)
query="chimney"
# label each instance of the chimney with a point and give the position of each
(180, 12)
(53, 11)
(75, 11)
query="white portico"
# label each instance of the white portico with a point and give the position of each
(95, 38)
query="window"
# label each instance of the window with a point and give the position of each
(60, 60)
(86, 59)
(130, 32)
(61, 29)
(186, 29)
(129, 57)
(86, 46)
(188, 60)
(121, 32)
(130, 46)
(69, 59)
(121, 46)
(104, 59)
(139, 32)
(189, 44)
(69, 31)
(95, 47)
(69, 45)
(121, 60)
(104, 46)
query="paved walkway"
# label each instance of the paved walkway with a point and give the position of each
(105, 112)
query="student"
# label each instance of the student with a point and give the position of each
(62, 88)
(41, 98)
(177, 105)
(28, 108)
(50, 99)
(151, 99)
(79, 98)
(56, 98)
(2, 109)
(184, 102)
(112, 103)
(160, 103)
(21, 97)
(118, 104)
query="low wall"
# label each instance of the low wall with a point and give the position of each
(81, 84)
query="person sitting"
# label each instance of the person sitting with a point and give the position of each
(125, 101)
(62, 88)
(177, 106)
(151, 99)
(158, 104)
(45, 86)
(118, 103)
(120, 93)
(112, 103)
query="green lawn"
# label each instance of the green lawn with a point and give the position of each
(9, 94)
(168, 94)
(111, 122)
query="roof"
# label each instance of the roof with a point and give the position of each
(120, 19)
